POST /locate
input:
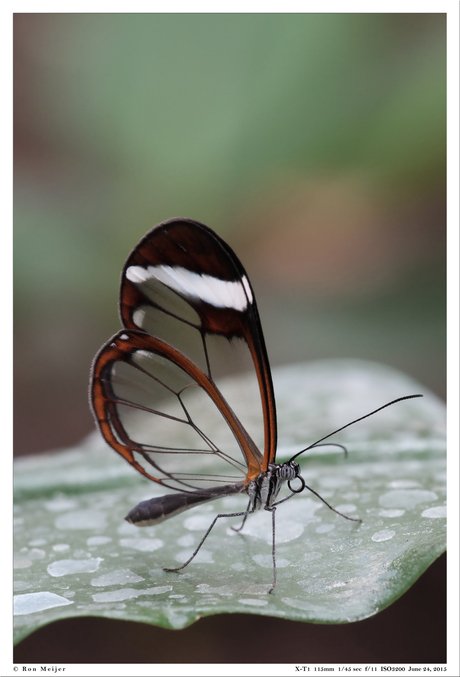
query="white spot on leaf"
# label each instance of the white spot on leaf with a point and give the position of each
(128, 593)
(435, 512)
(409, 498)
(117, 577)
(346, 508)
(198, 522)
(21, 562)
(404, 484)
(64, 567)
(61, 547)
(81, 519)
(98, 540)
(37, 601)
(383, 535)
(253, 602)
(36, 553)
(60, 504)
(142, 544)
(394, 512)
(203, 556)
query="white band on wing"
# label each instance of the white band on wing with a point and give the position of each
(218, 293)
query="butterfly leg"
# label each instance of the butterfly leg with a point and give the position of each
(273, 510)
(248, 512)
(233, 514)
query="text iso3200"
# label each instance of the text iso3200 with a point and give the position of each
(393, 668)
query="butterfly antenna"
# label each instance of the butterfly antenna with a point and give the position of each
(332, 444)
(388, 404)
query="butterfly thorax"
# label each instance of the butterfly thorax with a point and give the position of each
(264, 489)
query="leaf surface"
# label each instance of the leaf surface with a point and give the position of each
(76, 556)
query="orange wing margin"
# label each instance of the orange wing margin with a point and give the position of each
(119, 348)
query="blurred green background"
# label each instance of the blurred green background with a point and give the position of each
(313, 143)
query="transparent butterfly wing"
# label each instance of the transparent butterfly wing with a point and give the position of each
(157, 391)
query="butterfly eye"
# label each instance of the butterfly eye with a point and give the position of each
(299, 488)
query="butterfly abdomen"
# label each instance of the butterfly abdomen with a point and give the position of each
(155, 510)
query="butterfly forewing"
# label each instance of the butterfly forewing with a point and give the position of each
(205, 280)
(158, 396)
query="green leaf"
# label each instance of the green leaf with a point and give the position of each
(76, 556)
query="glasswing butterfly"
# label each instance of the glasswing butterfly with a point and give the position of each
(184, 298)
